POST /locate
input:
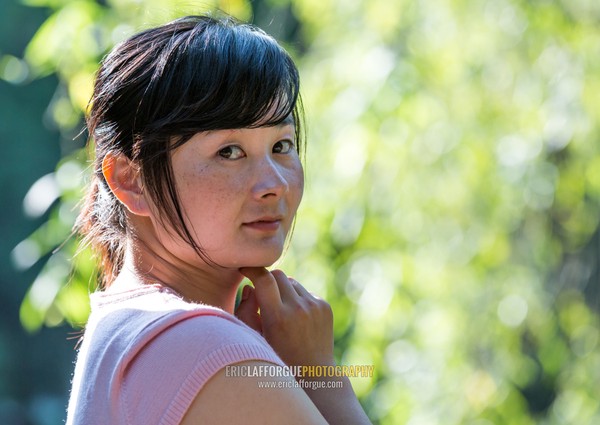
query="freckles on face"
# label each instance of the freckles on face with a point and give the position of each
(209, 199)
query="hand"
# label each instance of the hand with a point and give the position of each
(247, 310)
(298, 325)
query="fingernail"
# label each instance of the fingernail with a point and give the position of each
(245, 292)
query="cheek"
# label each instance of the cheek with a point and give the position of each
(208, 196)
(296, 183)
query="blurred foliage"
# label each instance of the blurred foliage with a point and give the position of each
(453, 190)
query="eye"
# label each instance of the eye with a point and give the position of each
(283, 146)
(231, 152)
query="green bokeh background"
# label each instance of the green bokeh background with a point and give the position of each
(451, 215)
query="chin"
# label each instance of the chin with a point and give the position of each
(257, 260)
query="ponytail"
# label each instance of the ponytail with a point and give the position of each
(103, 226)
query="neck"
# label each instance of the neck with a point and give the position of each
(210, 285)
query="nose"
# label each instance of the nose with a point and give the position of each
(270, 180)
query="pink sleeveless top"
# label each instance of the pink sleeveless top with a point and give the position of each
(146, 354)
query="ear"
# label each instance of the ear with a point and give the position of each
(123, 177)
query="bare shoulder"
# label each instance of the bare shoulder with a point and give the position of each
(252, 400)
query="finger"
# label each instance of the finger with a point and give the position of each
(286, 288)
(300, 290)
(247, 311)
(265, 285)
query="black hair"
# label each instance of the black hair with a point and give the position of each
(157, 89)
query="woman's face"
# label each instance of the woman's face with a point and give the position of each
(239, 191)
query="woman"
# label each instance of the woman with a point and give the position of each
(196, 182)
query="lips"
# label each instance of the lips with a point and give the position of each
(265, 224)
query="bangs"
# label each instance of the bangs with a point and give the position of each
(226, 77)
